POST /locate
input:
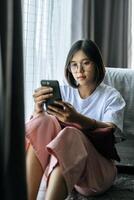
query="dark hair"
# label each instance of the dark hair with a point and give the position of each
(92, 51)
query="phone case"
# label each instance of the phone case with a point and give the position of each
(56, 91)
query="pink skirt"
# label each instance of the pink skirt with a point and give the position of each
(83, 167)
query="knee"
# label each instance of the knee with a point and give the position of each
(41, 121)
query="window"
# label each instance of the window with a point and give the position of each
(47, 38)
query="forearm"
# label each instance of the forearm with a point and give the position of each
(86, 122)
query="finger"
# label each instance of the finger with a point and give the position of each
(62, 103)
(56, 109)
(43, 97)
(56, 114)
(65, 105)
(59, 104)
(43, 90)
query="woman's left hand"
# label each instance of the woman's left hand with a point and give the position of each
(66, 113)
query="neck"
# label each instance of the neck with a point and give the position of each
(85, 90)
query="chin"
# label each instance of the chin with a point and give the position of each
(85, 83)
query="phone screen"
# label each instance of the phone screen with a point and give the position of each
(56, 91)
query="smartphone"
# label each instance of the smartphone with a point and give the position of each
(56, 92)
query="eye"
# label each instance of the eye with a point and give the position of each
(87, 62)
(73, 64)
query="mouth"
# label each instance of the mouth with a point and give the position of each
(81, 77)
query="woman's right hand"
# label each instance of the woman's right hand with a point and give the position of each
(40, 96)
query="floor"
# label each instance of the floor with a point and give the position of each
(123, 189)
(126, 151)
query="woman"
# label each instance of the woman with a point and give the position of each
(57, 148)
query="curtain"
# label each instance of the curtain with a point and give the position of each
(106, 23)
(1, 131)
(131, 38)
(47, 39)
(12, 173)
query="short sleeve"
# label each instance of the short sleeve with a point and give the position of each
(114, 112)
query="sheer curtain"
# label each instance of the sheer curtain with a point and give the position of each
(47, 39)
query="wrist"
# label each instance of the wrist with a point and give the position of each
(85, 122)
(38, 110)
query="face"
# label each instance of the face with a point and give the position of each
(82, 69)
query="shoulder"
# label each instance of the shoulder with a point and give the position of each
(112, 95)
(109, 90)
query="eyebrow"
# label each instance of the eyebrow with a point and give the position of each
(81, 60)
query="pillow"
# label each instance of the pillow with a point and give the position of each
(103, 140)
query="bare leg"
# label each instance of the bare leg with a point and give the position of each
(34, 174)
(56, 186)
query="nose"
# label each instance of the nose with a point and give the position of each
(79, 68)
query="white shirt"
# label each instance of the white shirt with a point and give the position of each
(104, 104)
